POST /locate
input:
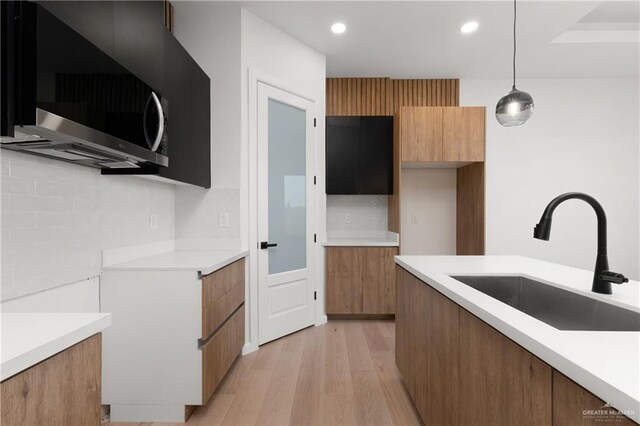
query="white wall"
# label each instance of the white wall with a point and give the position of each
(271, 55)
(57, 217)
(210, 32)
(583, 136)
(429, 197)
(368, 216)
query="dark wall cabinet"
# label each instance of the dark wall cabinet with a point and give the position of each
(133, 33)
(187, 88)
(359, 155)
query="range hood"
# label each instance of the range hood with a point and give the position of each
(75, 103)
(60, 138)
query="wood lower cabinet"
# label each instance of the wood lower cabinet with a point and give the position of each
(427, 355)
(61, 390)
(222, 293)
(360, 280)
(461, 371)
(501, 383)
(219, 353)
(573, 405)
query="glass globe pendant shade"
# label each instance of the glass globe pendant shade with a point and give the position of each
(514, 108)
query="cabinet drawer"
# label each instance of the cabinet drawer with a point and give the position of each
(214, 314)
(220, 352)
(216, 284)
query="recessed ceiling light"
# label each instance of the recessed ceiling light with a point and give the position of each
(338, 28)
(469, 27)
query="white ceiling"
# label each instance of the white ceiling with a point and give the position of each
(423, 39)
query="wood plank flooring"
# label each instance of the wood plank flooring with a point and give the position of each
(341, 373)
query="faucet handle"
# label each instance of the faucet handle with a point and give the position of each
(613, 277)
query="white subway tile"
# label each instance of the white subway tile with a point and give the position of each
(12, 219)
(55, 189)
(53, 232)
(25, 270)
(28, 236)
(12, 185)
(36, 203)
(5, 166)
(6, 275)
(68, 219)
(6, 201)
(41, 171)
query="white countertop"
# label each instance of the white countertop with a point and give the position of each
(28, 338)
(605, 363)
(204, 262)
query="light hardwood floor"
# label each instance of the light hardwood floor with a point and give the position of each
(341, 373)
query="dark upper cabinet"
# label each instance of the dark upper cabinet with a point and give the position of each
(93, 20)
(133, 33)
(342, 157)
(138, 39)
(199, 120)
(376, 155)
(359, 155)
(187, 89)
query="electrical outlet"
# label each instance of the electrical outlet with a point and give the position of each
(223, 220)
(414, 219)
(153, 221)
(347, 218)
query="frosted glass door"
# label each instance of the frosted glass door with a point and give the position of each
(285, 137)
(287, 189)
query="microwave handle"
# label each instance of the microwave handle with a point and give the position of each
(153, 100)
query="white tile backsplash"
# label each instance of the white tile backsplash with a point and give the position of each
(57, 217)
(368, 215)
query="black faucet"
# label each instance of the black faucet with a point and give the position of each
(602, 276)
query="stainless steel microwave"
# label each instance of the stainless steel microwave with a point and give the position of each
(74, 102)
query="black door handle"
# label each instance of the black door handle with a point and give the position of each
(265, 245)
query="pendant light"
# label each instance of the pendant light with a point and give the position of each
(514, 108)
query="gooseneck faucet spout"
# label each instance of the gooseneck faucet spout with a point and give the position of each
(602, 276)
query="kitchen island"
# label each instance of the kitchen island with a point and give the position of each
(468, 358)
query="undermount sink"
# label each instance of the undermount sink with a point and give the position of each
(559, 308)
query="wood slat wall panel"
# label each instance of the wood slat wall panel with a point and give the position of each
(384, 96)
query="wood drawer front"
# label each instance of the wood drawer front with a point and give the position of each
(218, 311)
(220, 352)
(221, 281)
(62, 390)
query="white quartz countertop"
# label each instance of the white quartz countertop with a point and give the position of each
(606, 363)
(28, 338)
(203, 261)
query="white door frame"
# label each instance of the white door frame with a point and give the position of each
(251, 299)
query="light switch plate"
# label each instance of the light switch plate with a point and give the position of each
(347, 218)
(223, 220)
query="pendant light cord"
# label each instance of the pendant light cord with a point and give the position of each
(514, 45)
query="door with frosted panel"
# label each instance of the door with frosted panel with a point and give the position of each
(285, 213)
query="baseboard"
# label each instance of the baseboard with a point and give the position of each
(322, 320)
(248, 348)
